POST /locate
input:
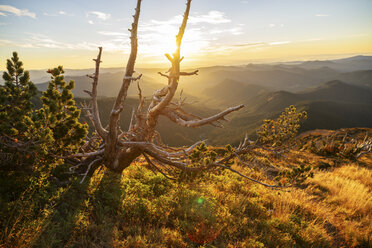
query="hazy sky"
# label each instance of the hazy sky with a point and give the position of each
(47, 33)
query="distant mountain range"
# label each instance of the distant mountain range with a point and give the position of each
(289, 76)
(355, 63)
(331, 105)
(335, 93)
(332, 91)
(109, 85)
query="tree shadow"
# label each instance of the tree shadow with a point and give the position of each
(57, 228)
(101, 220)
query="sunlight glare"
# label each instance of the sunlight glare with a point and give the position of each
(165, 42)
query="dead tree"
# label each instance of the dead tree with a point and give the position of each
(117, 149)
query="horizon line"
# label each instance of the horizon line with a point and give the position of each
(257, 61)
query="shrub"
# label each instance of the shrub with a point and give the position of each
(283, 129)
(295, 176)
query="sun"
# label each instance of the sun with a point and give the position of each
(160, 43)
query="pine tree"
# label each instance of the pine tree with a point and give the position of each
(15, 98)
(28, 136)
(15, 113)
(60, 114)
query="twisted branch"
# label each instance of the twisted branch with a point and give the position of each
(199, 122)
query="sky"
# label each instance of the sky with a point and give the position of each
(48, 33)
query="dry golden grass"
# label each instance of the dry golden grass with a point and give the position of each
(339, 199)
(355, 172)
(348, 195)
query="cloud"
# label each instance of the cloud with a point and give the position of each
(2, 14)
(48, 14)
(250, 44)
(225, 49)
(213, 17)
(99, 15)
(11, 43)
(272, 25)
(255, 44)
(90, 22)
(279, 42)
(5, 42)
(43, 41)
(17, 12)
(322, 15)
(109, 33)
(61, 12)
(234, 31)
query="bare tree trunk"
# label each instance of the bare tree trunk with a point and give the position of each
(118, 149)
(113, 153)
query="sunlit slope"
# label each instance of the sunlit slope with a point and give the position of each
(144, 209)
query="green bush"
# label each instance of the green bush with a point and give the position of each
(283, 129)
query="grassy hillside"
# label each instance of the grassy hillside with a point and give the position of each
(142, 208)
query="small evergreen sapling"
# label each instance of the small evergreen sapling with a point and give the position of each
(283, 129)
